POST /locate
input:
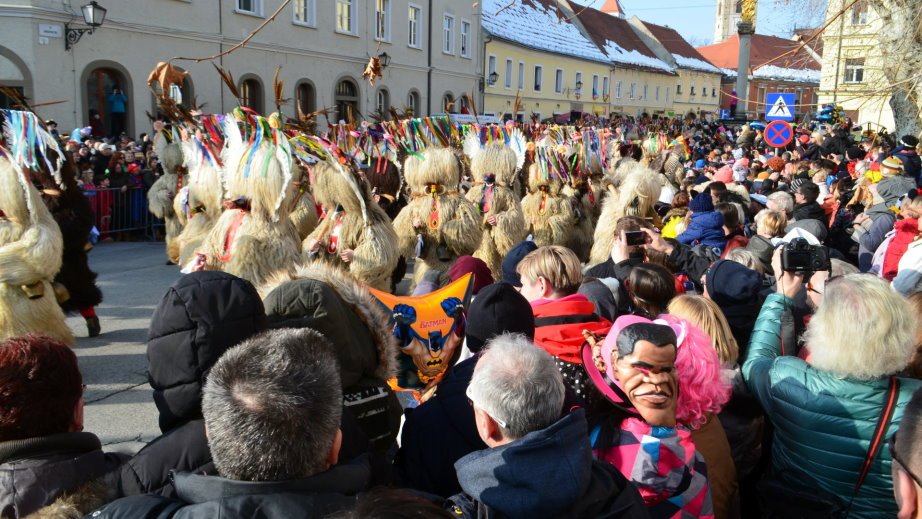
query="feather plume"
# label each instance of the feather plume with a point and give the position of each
(228, 80)
(279, 87)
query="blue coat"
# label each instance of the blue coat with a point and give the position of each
(705, 228)
(823, 423)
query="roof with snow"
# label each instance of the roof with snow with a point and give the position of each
(793, 63)
(615, 37)
(540, 25)
(684, 54)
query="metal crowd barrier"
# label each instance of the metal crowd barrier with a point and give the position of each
(121, 212)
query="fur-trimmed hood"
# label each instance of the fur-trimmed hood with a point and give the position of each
(329, 300)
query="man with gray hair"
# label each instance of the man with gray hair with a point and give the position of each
(272, 407)
(781, 201)
(539, 465)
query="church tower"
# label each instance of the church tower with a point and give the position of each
(729, 13)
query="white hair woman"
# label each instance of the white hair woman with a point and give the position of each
(825, 412)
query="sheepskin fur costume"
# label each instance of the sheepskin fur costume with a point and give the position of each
(31, 250)
(161, 196)
(494, 169)
(304, 208)
(438, 214)
(548, 213)
(254, 237)
(352, 221)
(202, 202)
(634, 191)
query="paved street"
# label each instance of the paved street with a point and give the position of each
(119, 403)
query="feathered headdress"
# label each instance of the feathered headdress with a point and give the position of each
(28, 143)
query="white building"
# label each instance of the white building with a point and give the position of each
(434, 47)
(729, 13)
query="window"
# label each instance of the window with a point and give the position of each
(657, 93)
(347, 99)
(854, 70)
(859, 13)
(305, 98)
(413, 26)
(306, 13)
(448, 103)
(448, 34)
(633, 91)
(250, 7)
(383, 20)
(383, 103)
(491, 68)
(558, 81)
(678, 89)
(618, 90)
(521, 76)
(251, 94)
(345, 16)
(465, 39)
(713, 92)
(739, 6)
(539, 70)
(413, 103)
(644, 92)
(704, 91)
(507, 80)
(667, 94)
(595, 86)
(604, 86)
(578, 83)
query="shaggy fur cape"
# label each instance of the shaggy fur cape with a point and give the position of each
(500, 161)
(373, 241)
(161, 196)
(553, 224)
(458, 228)
(31, 250)
(205, 192)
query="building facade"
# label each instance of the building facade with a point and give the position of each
(851, 75)
(728, 15)
(322, 45)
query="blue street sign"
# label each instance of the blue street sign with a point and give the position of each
(778, 134)
(780, 107)
(725, 114)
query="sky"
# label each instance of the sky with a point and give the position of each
(694, 19)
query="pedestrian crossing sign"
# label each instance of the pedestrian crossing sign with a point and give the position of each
(780, 107)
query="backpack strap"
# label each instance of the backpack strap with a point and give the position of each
(880, 431)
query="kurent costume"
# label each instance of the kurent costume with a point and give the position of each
(31, 246)
(633, 192)
(496, 156)
(163, 193)
(303, 206)
(439, 224)
(352, 221)
(254, 238)
(548, 213)
(202, 199)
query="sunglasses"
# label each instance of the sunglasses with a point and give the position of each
(891, 444)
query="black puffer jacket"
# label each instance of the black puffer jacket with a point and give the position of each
(329, 301)
(201, 316)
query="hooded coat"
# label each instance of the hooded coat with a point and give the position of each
(545, 474)
(705, 228)
(200, 317)
(334, 304)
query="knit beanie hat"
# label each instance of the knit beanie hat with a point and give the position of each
(702, 203)
(730, 283)
(776, 163)
(475, 266)
(512, 259)
(891, 166)
(724, 174)
(498, 309)
(910, 141)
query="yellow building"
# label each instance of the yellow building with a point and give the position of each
(852, 75)
(545, 62)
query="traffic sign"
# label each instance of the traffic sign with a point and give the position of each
(778, 134)
(725, 114)
(780, 107)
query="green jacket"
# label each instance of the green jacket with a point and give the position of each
(823, 423)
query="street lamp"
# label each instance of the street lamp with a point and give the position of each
(94, 15)
(385, 60)
(494, 77)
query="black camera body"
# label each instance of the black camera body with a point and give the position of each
(800, 257)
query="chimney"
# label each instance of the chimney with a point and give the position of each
(613, 7)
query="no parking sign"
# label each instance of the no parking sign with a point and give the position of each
(778, 134)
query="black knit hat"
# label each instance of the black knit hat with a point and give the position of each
(498, 308)
(702, 203)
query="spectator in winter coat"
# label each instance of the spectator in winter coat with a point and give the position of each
(442, 430)
(905, 448)
(825, 411)
(888, 192)
(736, 290)
(272, 407)
(907, 229)
(705, 226)
(908, 278)
(201, 316)
(47, 464)
(551, 277)
(781, 201)
(769, 224)
(906, 153)
(538, 463)
(805, 205)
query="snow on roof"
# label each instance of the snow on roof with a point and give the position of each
(619, 55)
(694, 63)
(536, 24)
(787, 74)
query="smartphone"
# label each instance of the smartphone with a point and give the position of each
(635, 238)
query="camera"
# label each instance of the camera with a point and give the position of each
(635, 238)
(800, 256)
